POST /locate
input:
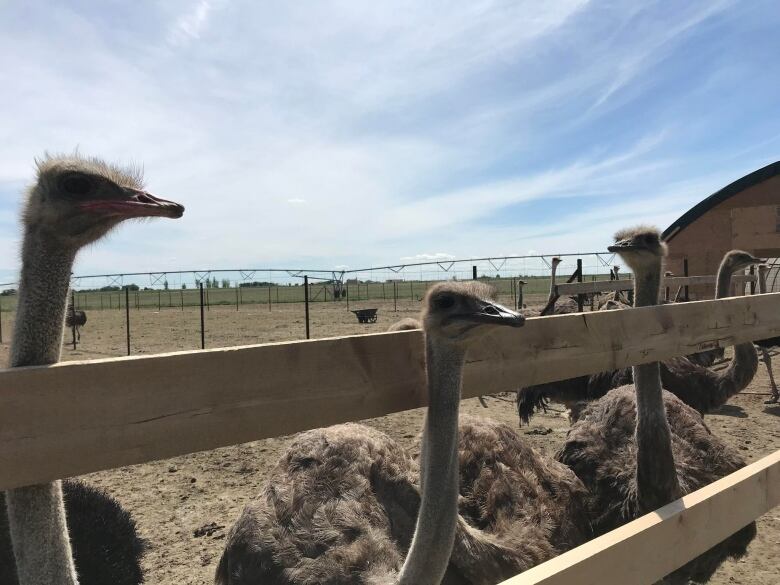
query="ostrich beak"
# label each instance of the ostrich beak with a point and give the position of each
(488, 313)
(135, 203)
(622, 246)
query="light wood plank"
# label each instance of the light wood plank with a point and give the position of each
(598, 286)
(654, 545)
(77, 417)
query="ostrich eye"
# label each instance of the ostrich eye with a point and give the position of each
(76, 184)
(444, 302)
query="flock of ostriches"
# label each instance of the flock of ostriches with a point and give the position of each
(347, 504)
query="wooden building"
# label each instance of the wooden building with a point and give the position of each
(744, 215)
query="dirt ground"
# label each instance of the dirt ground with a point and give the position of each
(184, 506)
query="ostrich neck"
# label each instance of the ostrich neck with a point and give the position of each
(43, 296)
(434, 534)
(36, 514)
(656, 474)
(741, 369)
(723, 281)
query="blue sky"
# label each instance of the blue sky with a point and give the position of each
(339, 133)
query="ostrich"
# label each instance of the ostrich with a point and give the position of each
(639, 448)
(341, 504)
(96, 524)
(74, 202)
(697, 386)
(405, 324)
(569, 305)
(766, 344)
(74, 318)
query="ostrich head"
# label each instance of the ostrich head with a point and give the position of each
(78, 200)
(640, 247)
(736, 260)
(460, 311)
(555, 260)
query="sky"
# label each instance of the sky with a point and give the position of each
(351, 134)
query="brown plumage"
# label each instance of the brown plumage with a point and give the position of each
(510, 490)
(640, 447)
(696, 385)
(601, 449)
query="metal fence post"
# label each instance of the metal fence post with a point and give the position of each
(1, 320)
(202, 320)
(237, 298)
(347, 289)
(73, 317)
(473, 273)
(395, 296)
(127, 316)
(306, 302)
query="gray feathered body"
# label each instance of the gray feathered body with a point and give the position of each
(340, 508)
(318, 520)
(601, 449)
(514, 492)
(699, 387)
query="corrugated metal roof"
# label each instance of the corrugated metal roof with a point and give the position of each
(727, 192)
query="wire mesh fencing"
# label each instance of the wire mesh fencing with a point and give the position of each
(166, 311)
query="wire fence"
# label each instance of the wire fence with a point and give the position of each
(162, 311)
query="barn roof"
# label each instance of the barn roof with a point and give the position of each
(718, 197)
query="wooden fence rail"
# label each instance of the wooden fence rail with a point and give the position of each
(598, 286)
(643, 551)
(76, 417)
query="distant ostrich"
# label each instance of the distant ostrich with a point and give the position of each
(552, 307)
(697, 386)
(74, 202)
(639, 448)
(74, 318)
(405, 324)
(330, 512)
(766, 344)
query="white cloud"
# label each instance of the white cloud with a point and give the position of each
(370, 131)
(190, 26)
(425, 257)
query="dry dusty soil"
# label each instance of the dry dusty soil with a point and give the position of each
(184, 506)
